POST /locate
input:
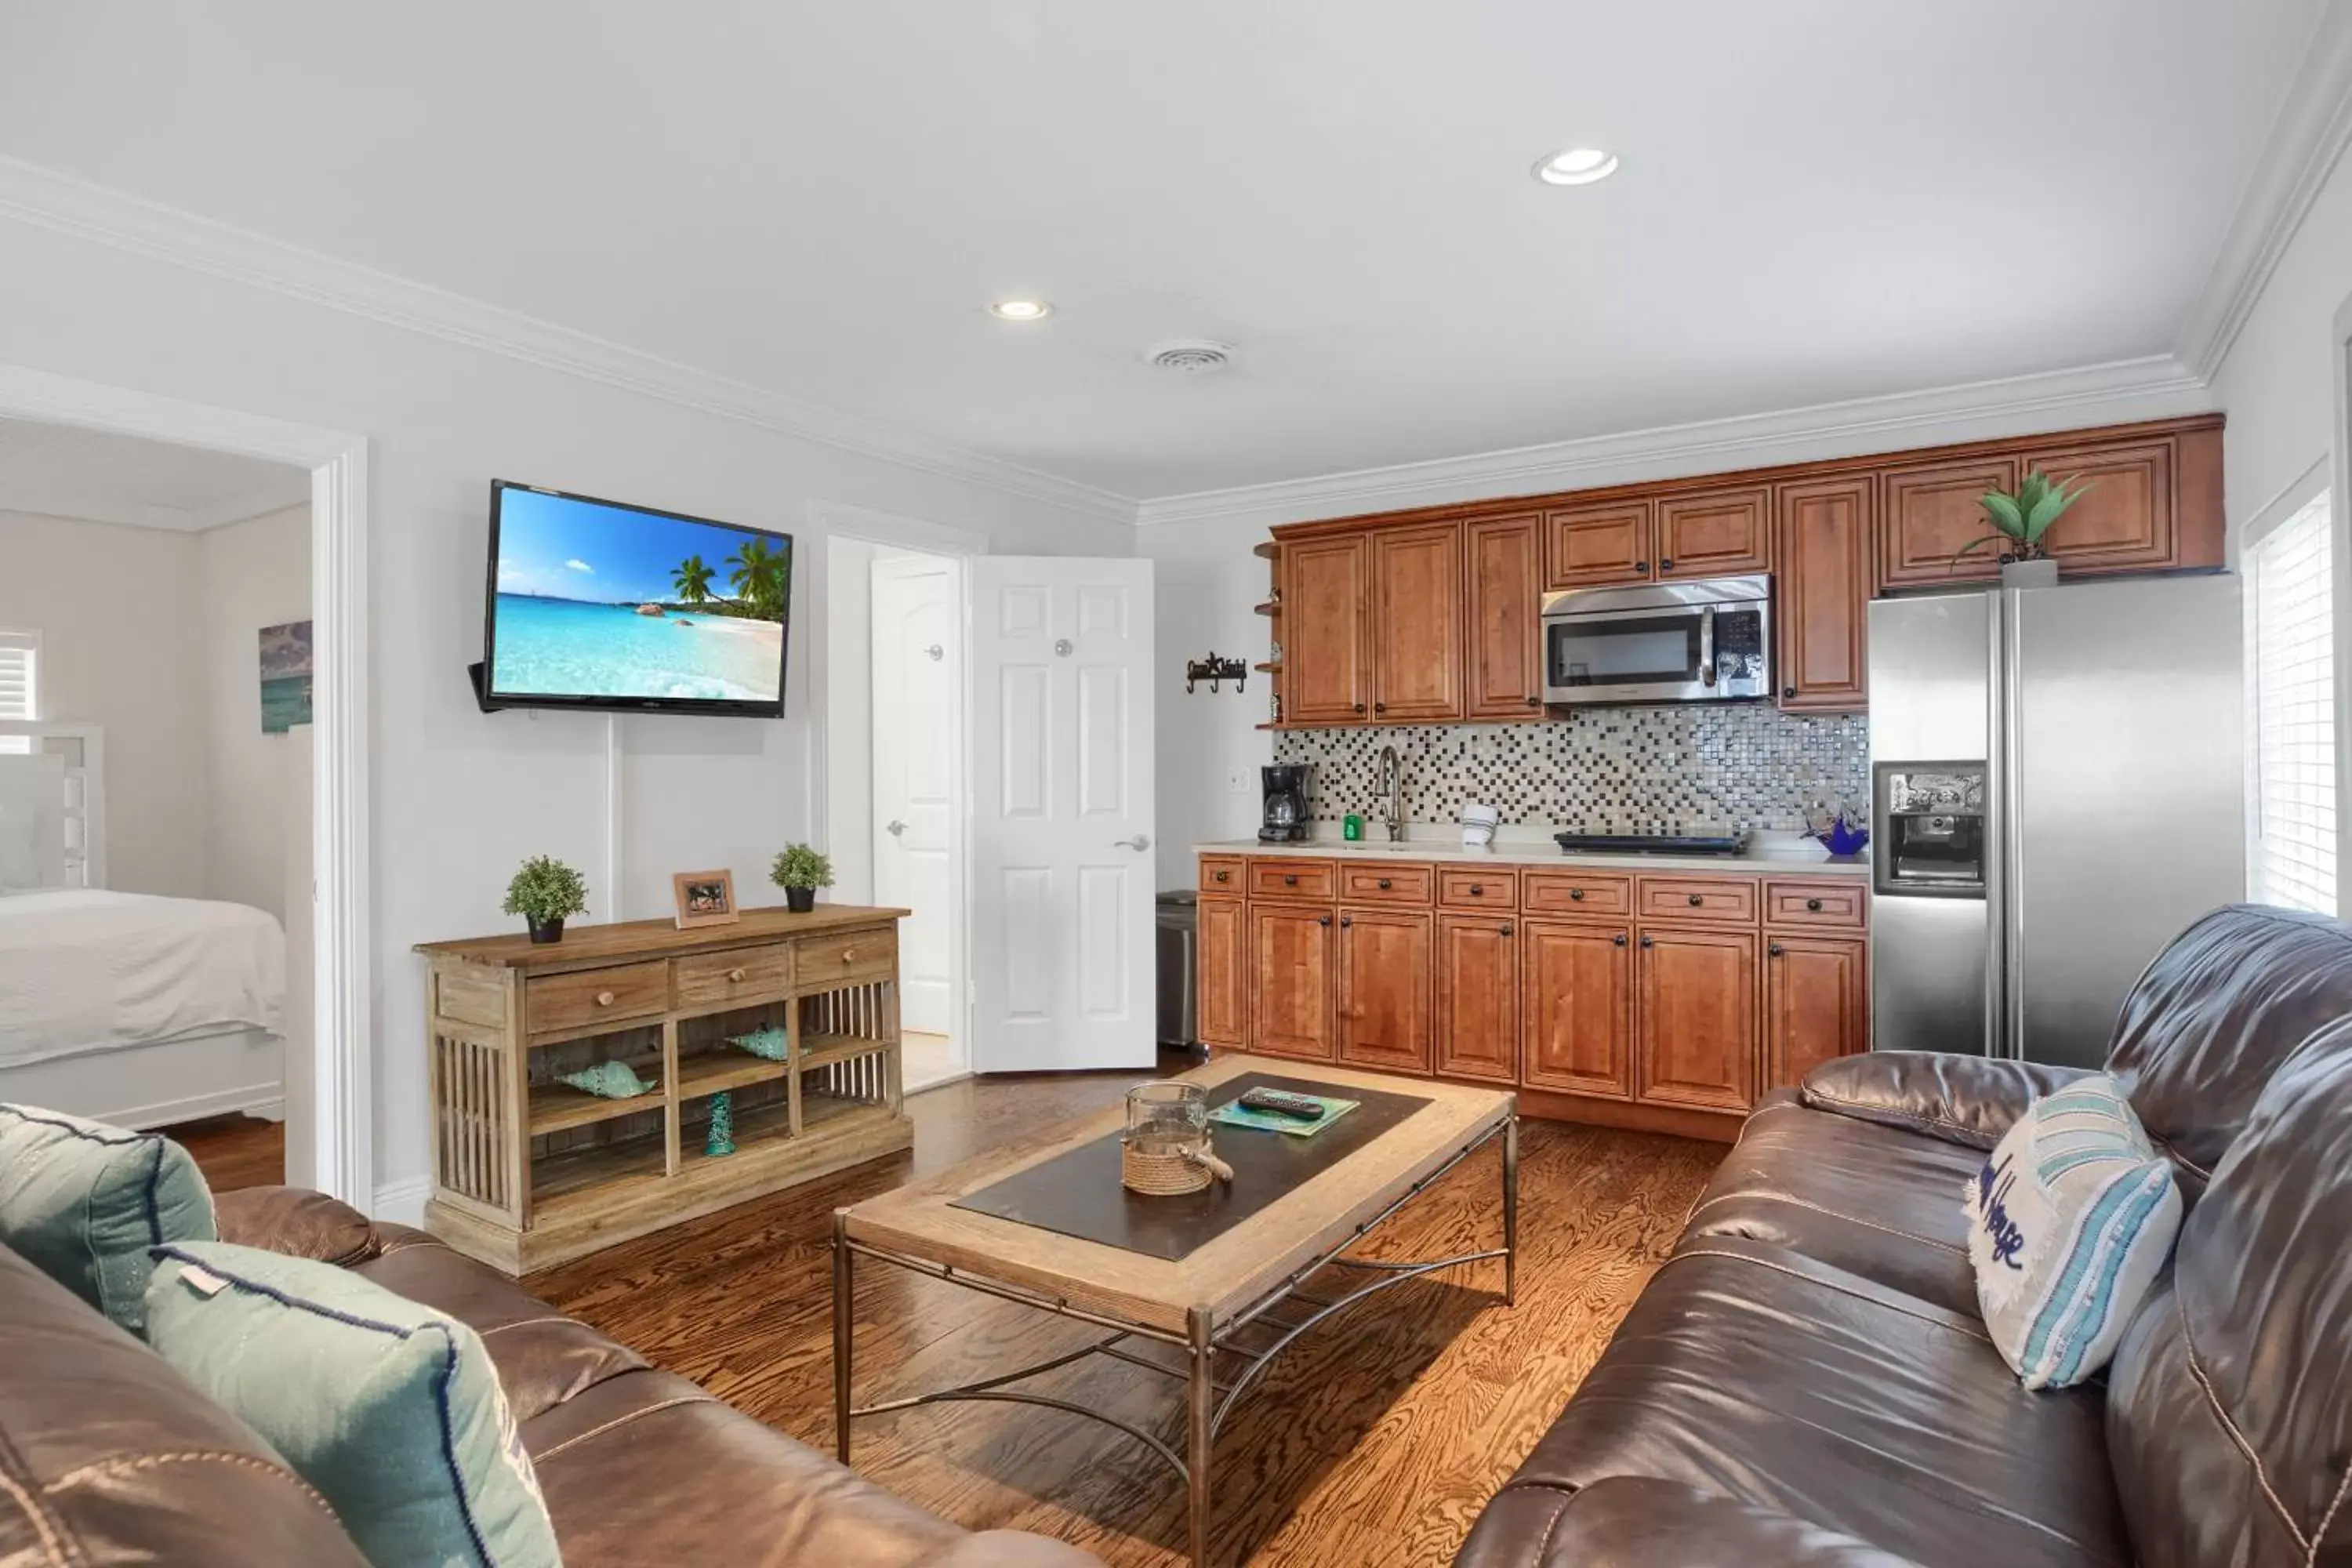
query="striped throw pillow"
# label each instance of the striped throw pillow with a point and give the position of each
(2069, 1223)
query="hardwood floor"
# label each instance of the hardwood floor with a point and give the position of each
(234, 1151)
(1374, 1440)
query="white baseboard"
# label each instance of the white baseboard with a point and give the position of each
(403, 1203)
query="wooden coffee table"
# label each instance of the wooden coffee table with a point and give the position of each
(1222, 1299)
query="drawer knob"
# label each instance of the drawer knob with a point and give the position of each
(1290, 881)
(1477, 891)
(736, 975)
(1384, 884)
(1224, 875)
(1814, 905)
(848, 955)
(604, 999)
(1576, 895)
(1696, 899)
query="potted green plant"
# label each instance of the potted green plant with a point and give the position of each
(800, 871)
(2020, 518)
(544, 892)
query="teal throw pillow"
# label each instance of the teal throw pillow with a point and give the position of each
(390, 1408)
(82, 1202)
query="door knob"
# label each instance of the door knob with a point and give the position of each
(1620, 938)
(1665, 564)
(1323, 920)
(1347, 920)
(1641, 566)
(1774, 950)
(1504, 931)
(894, 827)
(1137, 842)
(1534, 701)
(935, 653)
(1360, 707)
(1379, 706)
(1788, 691)
(1648, 942)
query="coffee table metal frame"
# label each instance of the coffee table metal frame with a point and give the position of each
(1208, 1399)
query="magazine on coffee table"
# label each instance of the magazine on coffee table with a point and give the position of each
(1232, 1114)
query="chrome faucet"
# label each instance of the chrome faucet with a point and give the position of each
(1392, 786)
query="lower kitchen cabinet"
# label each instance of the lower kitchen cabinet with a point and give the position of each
(1696, 1039)
(1577, 1004)
(1290, 968)
(1479, 997)
(1816, 1003)
(1382, 989)
(1221, 973)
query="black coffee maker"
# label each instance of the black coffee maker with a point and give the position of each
(1286, 805)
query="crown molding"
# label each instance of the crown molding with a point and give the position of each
(2307, 140)
(43, 198)
(75, 506)
(2118, 392)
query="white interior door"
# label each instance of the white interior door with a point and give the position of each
(917, 651)
(1062, 813)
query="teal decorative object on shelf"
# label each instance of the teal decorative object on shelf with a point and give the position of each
(770, 1042)
(720, 1139)
(609, 1081)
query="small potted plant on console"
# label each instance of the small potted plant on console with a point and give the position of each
(544, 892)
(800, 871)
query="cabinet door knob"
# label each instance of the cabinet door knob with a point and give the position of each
(1377, 708)
(1288, 880)
(1534, 701)
(1346, 920)
(1648, 943)
(1814, 905)
(735, 976)
(1774, 950)
(1620, 938)
(1641, 566)
(1360, 707)
(1696, 899)
(1224, 875)
(1322, 920)
(1504, 931)
(604, 999)
(1384, 884)
(1664, 564)
(1788, 691)
(1576, 895)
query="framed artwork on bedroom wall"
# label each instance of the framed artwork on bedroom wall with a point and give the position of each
(284, 677)
(705, 898)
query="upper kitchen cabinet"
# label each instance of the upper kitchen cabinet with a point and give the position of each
(1727, 533)
(1822, 582)
(2123, 522)
(1591, 546)
(1323, 656)
(1415, 631)
(1932, 511)
(1502, 570)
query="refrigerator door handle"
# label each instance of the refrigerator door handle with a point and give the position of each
(1999, 698)
(2011, 842)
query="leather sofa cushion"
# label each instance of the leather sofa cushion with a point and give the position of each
(1969, 1101)
(1864, 1198)
(1638, 1519)
(1764, 1376)
(109, 1456)
(297, 1223)
(2230, 1405)
(542, 1357)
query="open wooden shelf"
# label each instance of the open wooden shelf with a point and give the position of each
(824, 1050)
(714, 1071)
(557, 1106)
(586, 1170)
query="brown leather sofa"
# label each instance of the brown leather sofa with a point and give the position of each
(107, 1456)
(1807, 1381)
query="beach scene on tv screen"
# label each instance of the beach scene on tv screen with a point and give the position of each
(600, 601)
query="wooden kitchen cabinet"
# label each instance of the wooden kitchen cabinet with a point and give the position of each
(1577, 1007)
(1816, 1003)
(1416, 627)
(1479, 997)
(1323, 654)
(1290, 982)
(1826, 528)
(1221, 973)
(2123, 522)
(1728, 533)
(1695, 1010)
(1502, 617)
(1590, 546)
(1928, 513)
(1382, 987)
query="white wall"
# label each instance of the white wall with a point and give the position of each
(119, 610)
(848, 833)
(460, 797)
(1205, 584)
(254, 573)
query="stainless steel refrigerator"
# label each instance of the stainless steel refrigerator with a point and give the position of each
(2057, 781)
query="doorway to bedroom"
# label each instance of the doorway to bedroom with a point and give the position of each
(894, 757)
(156, 776)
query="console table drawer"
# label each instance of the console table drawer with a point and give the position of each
(587, 997)
(1577, 893)
(1292, 879)
(851, 958)
(746, 974)
(1815, 903)
(1386, 884)
(1711, 900)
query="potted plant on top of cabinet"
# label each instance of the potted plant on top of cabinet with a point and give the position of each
(544, 892)
(2019, 520)
(800, 871)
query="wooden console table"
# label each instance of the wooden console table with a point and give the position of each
(528, 1172)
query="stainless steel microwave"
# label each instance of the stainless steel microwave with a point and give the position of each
(1705, 640)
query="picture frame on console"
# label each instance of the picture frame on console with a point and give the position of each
(705, 898)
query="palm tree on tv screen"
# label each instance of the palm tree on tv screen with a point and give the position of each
(758, 575)
(692, 580)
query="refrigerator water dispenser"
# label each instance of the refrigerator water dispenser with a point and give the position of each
(1930, 828)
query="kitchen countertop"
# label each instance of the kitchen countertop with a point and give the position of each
(1542, 852)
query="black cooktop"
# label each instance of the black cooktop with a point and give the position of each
(1646, 844)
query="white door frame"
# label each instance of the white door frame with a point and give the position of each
(835, 519)
(342, 1108)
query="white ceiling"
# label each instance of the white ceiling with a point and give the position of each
(62, 470)
(1821, 199)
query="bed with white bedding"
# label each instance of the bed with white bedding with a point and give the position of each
(127, 1007)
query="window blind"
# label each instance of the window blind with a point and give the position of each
(2290, 663)
(20, 689)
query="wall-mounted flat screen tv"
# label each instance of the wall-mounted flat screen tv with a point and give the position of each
(598, 605)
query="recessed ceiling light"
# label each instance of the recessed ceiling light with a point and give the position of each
(1577, 166)
(1021, 309)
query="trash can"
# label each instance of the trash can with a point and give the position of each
(1179, 929)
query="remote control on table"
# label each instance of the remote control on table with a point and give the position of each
(1275, 1102)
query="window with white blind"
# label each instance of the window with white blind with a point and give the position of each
(2290, 708)
(20, 684)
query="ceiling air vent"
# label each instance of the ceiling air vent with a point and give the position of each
(1198, 357)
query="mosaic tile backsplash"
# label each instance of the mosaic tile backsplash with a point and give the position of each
(1604, 770)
